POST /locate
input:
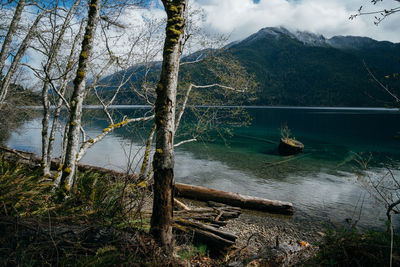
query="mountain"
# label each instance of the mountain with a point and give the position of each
(306, 69)
(303, 69)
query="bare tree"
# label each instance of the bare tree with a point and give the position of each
(6, 81)
(163, 163)
(12, 28)
(53, 50)
(71, 156)
(74, 121)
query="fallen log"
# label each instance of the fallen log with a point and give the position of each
(33, 160)
(215, 239)
(233, 199)
(208, 228)
(182, 190)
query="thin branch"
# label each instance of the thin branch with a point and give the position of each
(109, 21)
(60, 95)
(87, 144)
(178, 120)
(185, 141)
(198, 59)
(221, 86)
(35, 71)
(380, 84)
(104, 106)
(200, 86)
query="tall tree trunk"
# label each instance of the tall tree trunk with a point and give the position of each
(163, 163)
(62, 89)
(10, 34)
(54, 49)
(67, 177)
(5, 84)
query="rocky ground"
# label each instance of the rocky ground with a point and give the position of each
(269, 240)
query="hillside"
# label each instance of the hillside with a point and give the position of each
(301, 69)
(305, 69)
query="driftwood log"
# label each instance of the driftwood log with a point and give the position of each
(215, 239)
(202, 225)
(183, 190)
(233, 199)
(215, 215)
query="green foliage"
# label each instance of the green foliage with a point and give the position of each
(100, 225)
(22, 191)
(350, 247)
(191, 251)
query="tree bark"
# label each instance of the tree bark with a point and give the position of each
(143, 170)
(67, 177)
(163, 163)
(60, 101)
(10, 34)
(54, 49)
(5, 84)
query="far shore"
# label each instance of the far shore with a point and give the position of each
(248, 107)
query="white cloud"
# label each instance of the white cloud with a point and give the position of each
(331, 17)
(239, 18)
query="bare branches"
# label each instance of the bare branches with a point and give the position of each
(185, 141)
(384, 87)
(86, 145)
(114, 23)
(198, 59)
(380, 14)
(222, 86)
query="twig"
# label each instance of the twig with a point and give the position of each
(286, 160)
(380, 84)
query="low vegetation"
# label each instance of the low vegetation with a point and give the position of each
(99, 225)
(350, 247)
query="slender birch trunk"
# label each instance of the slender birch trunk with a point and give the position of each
(45, 91)
(143, 170)
(60, 101)
(163, 163)
(18, 57)
(10, 34)
(68, 172)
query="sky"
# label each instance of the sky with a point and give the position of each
(240, 18)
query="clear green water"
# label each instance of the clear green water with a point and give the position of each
(322, 182)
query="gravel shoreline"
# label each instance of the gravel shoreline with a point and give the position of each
(260, 231)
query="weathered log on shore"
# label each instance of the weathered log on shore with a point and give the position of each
(214, 215)
(32, 160)
(233, 199)
(183, 190)
(215, 239)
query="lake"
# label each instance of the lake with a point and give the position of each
(323, 183)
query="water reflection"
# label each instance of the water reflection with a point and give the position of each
(322, 182)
